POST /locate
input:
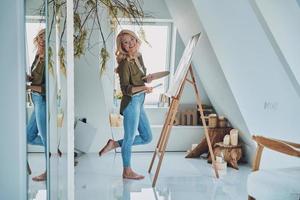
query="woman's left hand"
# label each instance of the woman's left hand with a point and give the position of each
(149, 78)
(148, 89)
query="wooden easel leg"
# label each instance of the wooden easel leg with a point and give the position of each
(163, 150)
(152, 161)
(159, 143)
(157, 171)
(156, 149)
(164, 139)
(199, 102)
(211, 152)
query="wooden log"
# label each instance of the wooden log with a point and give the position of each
(232, 154)
(215, 135)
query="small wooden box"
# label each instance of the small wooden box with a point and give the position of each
(212, 120)
(222, 122)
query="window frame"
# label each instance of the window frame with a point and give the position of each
(31, 19)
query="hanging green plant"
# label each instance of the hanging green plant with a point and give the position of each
(104, 55)
(142, 36)
(62, 61)
(79, 43)
(87, 11)
(50, 61)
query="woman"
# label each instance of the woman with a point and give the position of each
(36, 128)
(132, 73)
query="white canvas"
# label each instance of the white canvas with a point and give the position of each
(183, 67)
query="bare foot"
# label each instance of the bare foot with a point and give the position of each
(128, 173)
(41, 177)
(110, 145)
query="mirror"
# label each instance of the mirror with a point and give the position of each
(60, 91)
(36, 96)
(49, 125)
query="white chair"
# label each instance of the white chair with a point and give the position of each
(274, 184)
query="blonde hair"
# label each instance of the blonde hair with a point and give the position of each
(35, 40)
(120, 53)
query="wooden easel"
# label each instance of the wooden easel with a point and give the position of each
(165, 133)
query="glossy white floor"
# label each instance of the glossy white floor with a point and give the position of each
(180, 179)
(36, 190)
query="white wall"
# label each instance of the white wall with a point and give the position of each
(32, 7)
(281, 20)
(12, 104)
(208, 68)
(94, 95)
(262, 90)
(58, 136)
(156, 8)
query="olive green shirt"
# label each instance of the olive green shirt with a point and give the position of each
(38, 72)
(130, 76)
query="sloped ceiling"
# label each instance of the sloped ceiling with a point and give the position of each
(239, 68)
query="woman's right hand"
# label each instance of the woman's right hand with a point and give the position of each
(148, 89)
(29, 78)
(149, 78)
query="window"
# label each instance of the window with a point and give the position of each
(33, 25)
(156, 53)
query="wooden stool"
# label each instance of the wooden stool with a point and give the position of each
(215, 135)
(232, 154)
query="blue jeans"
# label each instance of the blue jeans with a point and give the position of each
(135, 120)
(36, 127)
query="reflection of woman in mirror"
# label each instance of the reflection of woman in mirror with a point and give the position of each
(36, 128)
(132, 73)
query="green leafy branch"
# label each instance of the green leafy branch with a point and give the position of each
(86, 11)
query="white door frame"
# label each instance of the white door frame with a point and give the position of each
(70, 99)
